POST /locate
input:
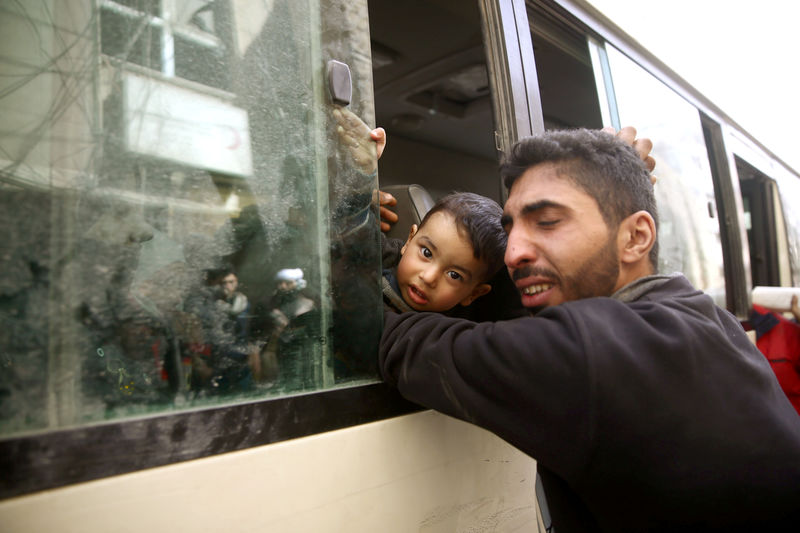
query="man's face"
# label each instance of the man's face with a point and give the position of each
(229, 285)
(559, 247)
(438, 269)
(287, 285)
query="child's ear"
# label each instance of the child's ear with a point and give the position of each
(411, 233)
(477, 292)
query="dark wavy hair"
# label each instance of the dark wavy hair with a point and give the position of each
(478, 218)
(606, 168)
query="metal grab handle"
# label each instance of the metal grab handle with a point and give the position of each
(340, 84)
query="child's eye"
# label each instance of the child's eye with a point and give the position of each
(425, 251)
(454, 275)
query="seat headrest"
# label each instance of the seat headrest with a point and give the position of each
(413, 201)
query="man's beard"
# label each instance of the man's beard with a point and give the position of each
(596, 276)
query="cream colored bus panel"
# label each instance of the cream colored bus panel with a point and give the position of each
(420, 472)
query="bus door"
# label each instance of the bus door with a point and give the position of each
(766, 230)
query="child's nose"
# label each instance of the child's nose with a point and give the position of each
(429, 275)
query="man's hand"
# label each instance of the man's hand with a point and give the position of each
(365, 145)
(379, 136)
(388, 217)
(795, 308)
(642, 146)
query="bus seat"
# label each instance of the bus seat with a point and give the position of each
(413, 201)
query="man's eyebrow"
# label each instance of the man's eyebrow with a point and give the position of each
(527, 209)
(538, 206)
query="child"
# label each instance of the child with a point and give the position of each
(449, 259)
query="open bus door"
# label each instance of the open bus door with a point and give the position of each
(766, 232)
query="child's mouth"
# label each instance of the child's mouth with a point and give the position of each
(416, 295)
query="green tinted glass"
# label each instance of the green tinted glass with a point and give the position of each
(182, 224)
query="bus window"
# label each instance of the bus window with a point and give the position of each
(182, 225)
(766, 231)
(788, 190)
(433, 96)
(689, 231)
(564, 70)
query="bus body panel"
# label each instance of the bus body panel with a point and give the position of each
(442, 475)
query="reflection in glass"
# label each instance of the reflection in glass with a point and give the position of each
(689, 234)
(182, 225)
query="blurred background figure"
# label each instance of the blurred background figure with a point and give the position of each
(289, 352)
(778, 338)
(226, 359)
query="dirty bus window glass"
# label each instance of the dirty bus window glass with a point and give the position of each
(181, 225)
(689, 232)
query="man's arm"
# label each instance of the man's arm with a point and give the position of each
(525, 380)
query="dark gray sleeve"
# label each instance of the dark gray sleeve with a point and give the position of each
(525, 380)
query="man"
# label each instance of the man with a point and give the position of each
(290, 348)
(645, 405)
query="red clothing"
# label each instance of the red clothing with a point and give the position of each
(779, 340)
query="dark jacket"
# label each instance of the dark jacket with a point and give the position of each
(390, 257)
(647, 415)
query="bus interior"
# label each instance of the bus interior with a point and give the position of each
(432, 92)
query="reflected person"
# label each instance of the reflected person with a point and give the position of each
(290, 352)
(223, 364)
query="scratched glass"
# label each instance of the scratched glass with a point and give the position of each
(181, 224)
(689, 232)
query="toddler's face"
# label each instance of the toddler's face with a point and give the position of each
(438, 269)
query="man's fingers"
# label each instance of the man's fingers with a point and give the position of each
(642, 146)
(379, 136)
(386, 198)
(351, 122)
(627, 134)
(388, 215)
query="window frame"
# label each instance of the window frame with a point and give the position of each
(54, 459)
(51, 459)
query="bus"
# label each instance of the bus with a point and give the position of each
(189, 298)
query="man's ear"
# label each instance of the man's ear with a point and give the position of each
(636, 236)
(411, 233)
(476, 293)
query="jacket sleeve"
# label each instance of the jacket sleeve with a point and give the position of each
(525, 379)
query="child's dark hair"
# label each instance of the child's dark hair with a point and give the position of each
(477, 218)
